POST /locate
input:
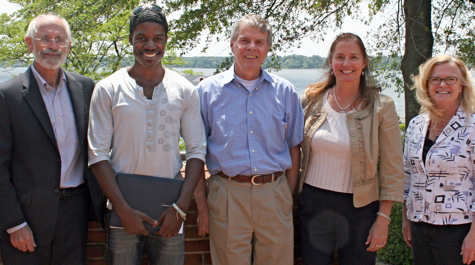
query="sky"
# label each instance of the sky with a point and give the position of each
(308, 47)
(7, 7)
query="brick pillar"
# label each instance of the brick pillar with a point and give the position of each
(196, 248)
(96, 241)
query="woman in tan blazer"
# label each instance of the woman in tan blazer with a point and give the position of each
(345, 201)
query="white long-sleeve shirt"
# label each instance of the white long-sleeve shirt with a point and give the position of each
(141, 136)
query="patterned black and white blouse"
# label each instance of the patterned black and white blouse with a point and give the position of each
(441, 190)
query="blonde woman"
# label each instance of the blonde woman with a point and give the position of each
(439, 165)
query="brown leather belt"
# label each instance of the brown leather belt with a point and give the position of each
(254, 179)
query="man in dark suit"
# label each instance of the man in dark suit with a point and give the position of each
(47, 192)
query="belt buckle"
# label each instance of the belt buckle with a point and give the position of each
(252, 180)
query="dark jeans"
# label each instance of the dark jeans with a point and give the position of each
(69, 242)
(329, 222)
(126, 249)
(438, 244)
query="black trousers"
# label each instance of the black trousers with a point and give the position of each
(329, 222)
(438, 244)
(69, 242)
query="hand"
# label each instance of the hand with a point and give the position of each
(133, 220)
(406, 231)
(23, 240)
(171, 223)
(468, 248)
(378, 234)
(202, 223)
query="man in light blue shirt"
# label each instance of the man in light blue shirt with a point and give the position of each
(254, 125)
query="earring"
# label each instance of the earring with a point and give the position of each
(331, 72)
(362, 73)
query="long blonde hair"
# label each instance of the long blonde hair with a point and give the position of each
(367, 85)
(421, 82)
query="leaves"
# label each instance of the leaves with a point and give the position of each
(100, 28)
(292, 20)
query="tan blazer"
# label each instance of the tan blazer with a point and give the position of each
(374, 134)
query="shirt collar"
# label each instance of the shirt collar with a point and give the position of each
(229, 76)
(44, 87)
(138, 88)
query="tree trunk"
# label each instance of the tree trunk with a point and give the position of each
(418, 48)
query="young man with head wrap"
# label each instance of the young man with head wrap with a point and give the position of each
(136, 119)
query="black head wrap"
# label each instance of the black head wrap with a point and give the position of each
(148, 15)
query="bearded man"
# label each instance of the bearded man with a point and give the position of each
(47, 192)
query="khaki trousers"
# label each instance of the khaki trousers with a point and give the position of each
(250, 224)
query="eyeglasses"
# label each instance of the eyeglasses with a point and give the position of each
(143, 7)
(47, 41)
(448, 80)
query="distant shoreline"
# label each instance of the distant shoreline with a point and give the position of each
(300, 78)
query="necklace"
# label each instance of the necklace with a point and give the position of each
(436, 131)
(440, 125)
(435, 135)
(343, 110)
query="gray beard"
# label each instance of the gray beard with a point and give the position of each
(49, 63)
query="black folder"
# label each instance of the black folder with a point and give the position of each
(146, 194)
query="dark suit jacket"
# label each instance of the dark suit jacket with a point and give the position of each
(30, 164)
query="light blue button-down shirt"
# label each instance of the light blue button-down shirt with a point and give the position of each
(61, 114)
(250, 133)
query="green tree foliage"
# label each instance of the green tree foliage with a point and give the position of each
(418, 29)
(203, 62)
(454, 25)
(413, 28)
(100, 44)
(99, 29)
(301, 62)
(172, 59)
(292, 21)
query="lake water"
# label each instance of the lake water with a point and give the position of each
(300, 78)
